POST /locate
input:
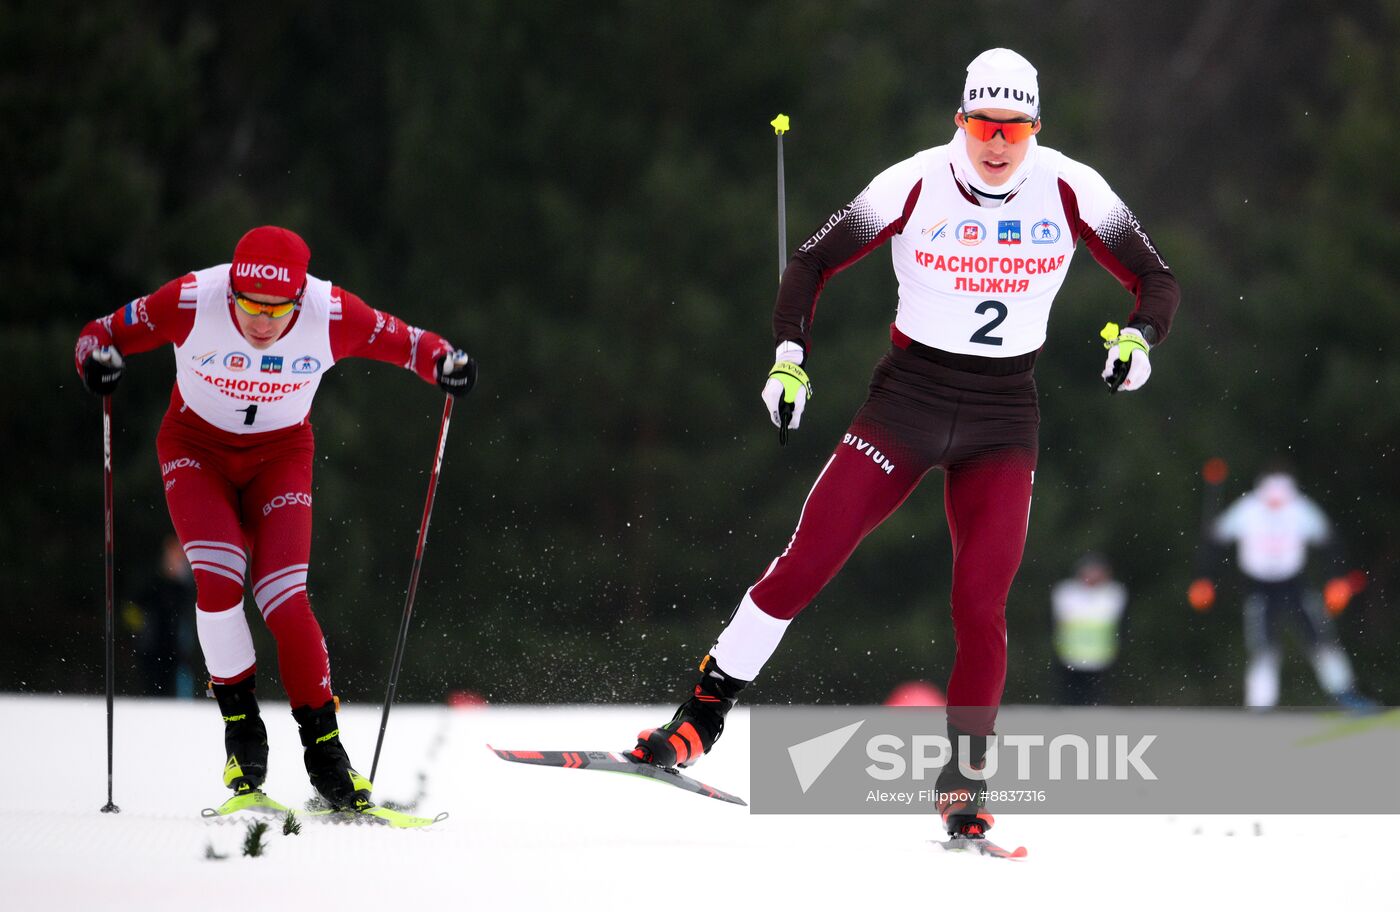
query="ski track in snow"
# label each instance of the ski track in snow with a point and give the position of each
(531, 837)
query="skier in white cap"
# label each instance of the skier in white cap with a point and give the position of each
(981, 231)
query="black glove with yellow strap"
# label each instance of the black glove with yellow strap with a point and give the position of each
(787, 390)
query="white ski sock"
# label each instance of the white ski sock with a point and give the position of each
(225, 640)
(1261, 680)
(1333, 670)
(748, 641)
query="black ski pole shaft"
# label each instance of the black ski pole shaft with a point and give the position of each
(109, 558)
(412, 584)
(781, 124)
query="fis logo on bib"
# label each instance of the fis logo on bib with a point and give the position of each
(1045, 232)
(971, 233)
(205, 358)
(237, 361)
(271, 364)
(305, 365)
(1009, 231)
(936, 230)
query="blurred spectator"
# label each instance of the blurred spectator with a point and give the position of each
(1087, 610)
(1273, 528)
(162, 620)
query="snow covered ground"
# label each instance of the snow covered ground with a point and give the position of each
(529, 837)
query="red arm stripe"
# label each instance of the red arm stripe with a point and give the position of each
(363, 332)
(144, 323)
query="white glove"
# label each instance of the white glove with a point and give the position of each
(794, 382)
(1127, 366)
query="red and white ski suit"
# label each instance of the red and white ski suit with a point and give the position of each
(236, 450)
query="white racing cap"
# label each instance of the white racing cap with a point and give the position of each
(1002, 78)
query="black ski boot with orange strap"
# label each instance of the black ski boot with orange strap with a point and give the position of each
(961, 798)
(696, 726)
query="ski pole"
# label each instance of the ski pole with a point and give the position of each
(781, 124)
(110, 561)
(412, 584)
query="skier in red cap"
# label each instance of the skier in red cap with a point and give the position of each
(252, 340)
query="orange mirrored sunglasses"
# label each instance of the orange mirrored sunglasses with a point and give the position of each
(257, 308)
(983, 129)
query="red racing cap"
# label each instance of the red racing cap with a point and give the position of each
(270, 260)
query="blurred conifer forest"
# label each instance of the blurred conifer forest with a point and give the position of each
(583, 196)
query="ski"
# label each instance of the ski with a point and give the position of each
(259, 802)
(616, 763)
(982, 846)
(256, 801)
(376, 815)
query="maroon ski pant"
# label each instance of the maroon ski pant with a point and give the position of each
(982, 431)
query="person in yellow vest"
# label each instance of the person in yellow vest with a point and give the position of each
(1087, 610)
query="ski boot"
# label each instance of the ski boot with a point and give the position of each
(245, 736)
(1357, 702)
(960, 798)
(327, 764)
(696, 726)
